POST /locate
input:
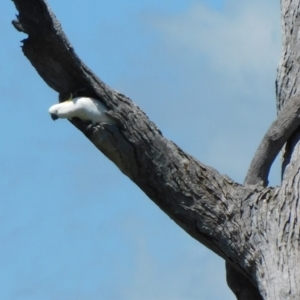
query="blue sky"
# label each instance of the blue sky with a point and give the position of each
(72, 225)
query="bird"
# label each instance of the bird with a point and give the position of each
(84, 108)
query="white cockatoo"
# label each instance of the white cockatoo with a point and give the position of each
(84, 108)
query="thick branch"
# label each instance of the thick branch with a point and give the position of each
(288, 79)
(195, 196)
(287, 84)
(282, 128)
(241, 286)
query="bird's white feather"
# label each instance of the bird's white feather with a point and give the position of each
(84, 108)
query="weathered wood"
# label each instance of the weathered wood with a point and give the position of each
(280, 131)
(288, 79)
(253, 227)
(240, 285)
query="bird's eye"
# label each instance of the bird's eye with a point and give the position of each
(56, 111)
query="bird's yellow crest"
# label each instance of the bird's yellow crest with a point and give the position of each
(71, 97)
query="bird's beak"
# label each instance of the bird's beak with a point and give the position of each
(54, 117)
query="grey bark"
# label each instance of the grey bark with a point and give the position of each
(280, 131)
(253, 227)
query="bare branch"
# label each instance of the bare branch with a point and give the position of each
(282, 128)
(285, 128)
(288, 79)
(241, 286)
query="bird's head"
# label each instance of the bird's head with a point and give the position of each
(64, 110)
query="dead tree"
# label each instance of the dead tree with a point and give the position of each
(253, 227)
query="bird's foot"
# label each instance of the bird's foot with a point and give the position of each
(91, 128)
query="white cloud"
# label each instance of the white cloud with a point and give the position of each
(242, 37)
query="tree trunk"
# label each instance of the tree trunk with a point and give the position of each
(253, 227)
